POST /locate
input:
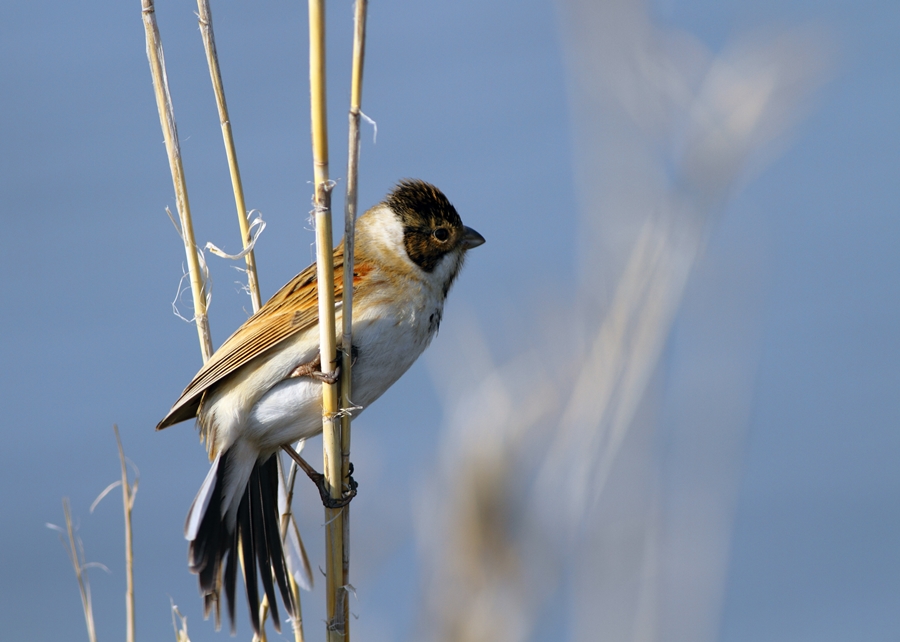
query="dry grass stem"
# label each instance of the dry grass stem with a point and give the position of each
(128, 493)
(288, 522)
(181, 632)
(204, 16)
(75, 550)
(170, 134)
(350, 213)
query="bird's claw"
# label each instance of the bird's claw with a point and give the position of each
(327, 377)
(313, 371)
(319, 480)
(331, 502)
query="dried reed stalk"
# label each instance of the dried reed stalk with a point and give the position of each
(350, 209)
(128, 493)
(204, 16)
(286, 519)
(76, 555)
(170, 134)
(331, 438)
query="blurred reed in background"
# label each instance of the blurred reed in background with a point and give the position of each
(562, 478)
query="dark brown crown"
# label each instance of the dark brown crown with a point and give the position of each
(431, 225)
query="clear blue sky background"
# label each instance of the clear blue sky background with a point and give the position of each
(471, 96)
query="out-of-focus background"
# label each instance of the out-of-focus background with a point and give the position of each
(663, 404)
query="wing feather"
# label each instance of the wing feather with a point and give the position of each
(294, 308)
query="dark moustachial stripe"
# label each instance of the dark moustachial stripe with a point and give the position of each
(422, 209)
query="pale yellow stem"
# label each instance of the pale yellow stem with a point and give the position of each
(170, 134)
(350, 212)
(331, 439)
(209, 44)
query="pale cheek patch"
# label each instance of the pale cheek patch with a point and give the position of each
(447, 268)
(386, 232)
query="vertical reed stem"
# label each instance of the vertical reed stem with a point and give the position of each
(77, 557)
(173, 149)
(350, 210)
(331, 439)
(204, 15)
(128, 504)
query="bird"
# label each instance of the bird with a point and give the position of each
(262, 389)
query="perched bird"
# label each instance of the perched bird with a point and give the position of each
(259, 391)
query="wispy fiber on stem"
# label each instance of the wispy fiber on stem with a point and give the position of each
(173, 149)
(204, 16)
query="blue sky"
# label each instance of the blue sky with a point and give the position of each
(481, 99)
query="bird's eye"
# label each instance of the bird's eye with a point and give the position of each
(441, 234)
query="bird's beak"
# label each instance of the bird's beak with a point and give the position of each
(471, 238)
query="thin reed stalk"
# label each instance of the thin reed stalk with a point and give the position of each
(75, 551)
(286, 522)
(128, 493)
(173, 149)
(204, 15)
(179, 623)
(77, 555)
(331, 439)
(350, 213)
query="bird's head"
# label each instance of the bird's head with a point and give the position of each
(420, 226)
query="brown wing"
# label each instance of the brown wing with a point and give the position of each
(292, 309)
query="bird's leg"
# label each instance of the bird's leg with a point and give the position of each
(313, 369)
(319, 480)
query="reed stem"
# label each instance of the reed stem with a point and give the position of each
(331, 439)
(204, 15)
(173, 149)
(350, 213)
(128, 492)
(76, 555)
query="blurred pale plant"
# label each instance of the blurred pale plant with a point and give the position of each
(668, 132)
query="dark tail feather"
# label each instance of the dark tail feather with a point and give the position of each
(248, 557)
(269, 477)
(261, 545)
(231, 580)
(211, 544)
(256, 532)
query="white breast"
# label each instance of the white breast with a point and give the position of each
(389, 338)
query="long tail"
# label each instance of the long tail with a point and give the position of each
(222, 535)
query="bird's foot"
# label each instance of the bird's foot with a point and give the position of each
(313, 370)
(327, 500)
(319, 480)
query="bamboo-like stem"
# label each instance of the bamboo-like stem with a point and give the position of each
(173, 149)
(128, 492)
(204, 15)
(331, 440)
(350, 210)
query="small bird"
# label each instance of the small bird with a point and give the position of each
(262, 389)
